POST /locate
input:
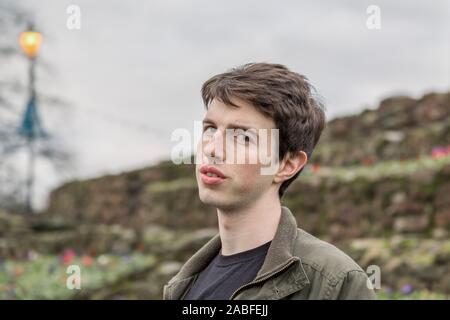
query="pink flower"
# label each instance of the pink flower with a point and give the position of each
(68, 256)
(87, 260)
(368, 161)
(315, 167)
(18, 271)
(440, 152)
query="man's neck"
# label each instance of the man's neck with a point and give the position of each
(249, 227)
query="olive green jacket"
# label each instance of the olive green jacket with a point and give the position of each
(297, 266)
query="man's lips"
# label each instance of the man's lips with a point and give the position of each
(218, 176)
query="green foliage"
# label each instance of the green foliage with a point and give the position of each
(415, 295)
(45, 276)
(383, 169)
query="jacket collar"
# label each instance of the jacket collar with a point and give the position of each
(280, 251)
(282, 247)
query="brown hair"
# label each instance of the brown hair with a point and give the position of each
(285, 96)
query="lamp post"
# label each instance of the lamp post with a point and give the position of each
(30, 128)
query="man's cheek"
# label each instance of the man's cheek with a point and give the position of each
(247, 180)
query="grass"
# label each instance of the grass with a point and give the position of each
(415, 295)
(45, 277)
(382, 169)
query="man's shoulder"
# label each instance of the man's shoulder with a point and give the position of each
(319, 256)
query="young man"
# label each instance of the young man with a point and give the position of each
(259, 252)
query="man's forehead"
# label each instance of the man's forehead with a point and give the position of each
(243, 115)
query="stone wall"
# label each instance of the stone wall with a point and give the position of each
(365, 200)
(360, 206)
(400, 128)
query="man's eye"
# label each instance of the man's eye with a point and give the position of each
(245, 137)
(209, 130)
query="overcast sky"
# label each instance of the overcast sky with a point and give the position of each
(133, 72)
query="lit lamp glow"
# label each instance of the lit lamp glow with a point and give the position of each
(30, 41)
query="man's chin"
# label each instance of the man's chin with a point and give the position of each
(220, 201)
(210, 199)
(213, 198)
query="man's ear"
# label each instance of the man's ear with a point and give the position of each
(290, 165)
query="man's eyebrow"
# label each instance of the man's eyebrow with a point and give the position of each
(231, 125)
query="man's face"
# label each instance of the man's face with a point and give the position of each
(239, 181)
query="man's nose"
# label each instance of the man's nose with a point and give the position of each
(214, 146)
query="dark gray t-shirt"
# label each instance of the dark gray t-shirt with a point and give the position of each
(225, 274)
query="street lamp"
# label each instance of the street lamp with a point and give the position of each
(31, 128)
(30, 41)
